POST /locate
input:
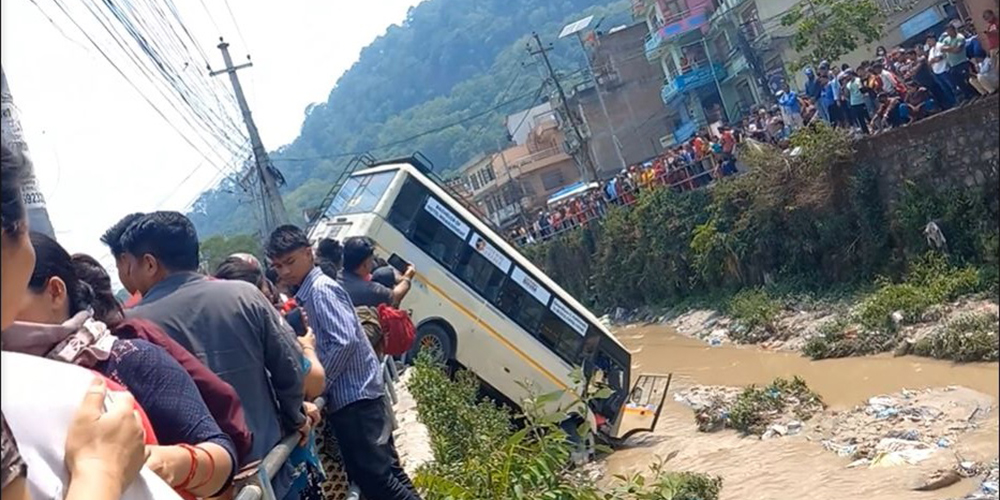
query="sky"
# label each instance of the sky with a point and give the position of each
(101, 151)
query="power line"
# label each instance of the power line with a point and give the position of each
(135, 87)
(412, 137)
(239, 32)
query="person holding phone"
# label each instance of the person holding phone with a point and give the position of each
(359, 263)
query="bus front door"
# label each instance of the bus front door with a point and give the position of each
(642, 409)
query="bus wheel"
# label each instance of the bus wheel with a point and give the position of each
(435, 339)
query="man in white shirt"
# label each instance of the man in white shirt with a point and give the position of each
(939, 66)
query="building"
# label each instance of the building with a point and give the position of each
(516, 183)
(717, 59)
(520, 124)
(630, 89)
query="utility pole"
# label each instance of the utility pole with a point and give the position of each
(604, 108)
(584, 159)
(274, 207)
(13, 138)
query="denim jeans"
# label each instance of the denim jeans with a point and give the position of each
(947, 89)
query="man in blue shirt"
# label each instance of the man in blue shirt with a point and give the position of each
(357, 413)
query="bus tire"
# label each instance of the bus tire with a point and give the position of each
(435, 336)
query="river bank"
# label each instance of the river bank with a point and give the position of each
(798, 465)
(798, 326)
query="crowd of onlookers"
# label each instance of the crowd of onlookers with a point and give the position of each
(894, 88)
(690, 165)
(201, 377)
(901, 85)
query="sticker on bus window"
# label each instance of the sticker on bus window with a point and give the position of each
(489, 252)
(530, 285)
(571, 318)
(450, 220)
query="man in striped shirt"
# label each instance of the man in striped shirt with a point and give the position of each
(356, 411)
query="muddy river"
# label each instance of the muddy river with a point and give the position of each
(794, 467)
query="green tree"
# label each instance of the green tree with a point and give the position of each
(828, 29)
(215, 249)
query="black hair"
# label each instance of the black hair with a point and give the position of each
(845, 67)
(11, 177)
(285, 239)
(356, 250)
(330, 250)
(170, 237)
(330, 257)
(271, 274)
(106, 306)
(51, 261)
(235, 268)
(113, 236)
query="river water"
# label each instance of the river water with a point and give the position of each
(794, 467)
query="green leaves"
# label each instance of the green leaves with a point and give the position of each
(530, 463)
(830, 29)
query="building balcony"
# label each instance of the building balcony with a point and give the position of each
(687, 22)
(693, 79)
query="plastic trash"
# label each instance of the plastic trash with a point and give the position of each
(794, 427)
(944, 443)
(885, 413)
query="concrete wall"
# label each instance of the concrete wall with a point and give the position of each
(959, 147)
(631, 89)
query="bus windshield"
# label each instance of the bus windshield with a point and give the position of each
(360, 193)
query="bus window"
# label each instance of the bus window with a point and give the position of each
(360, 194)
(437, 231)
(483, 267)
(523, 300)
(563, 331)
(408, 202)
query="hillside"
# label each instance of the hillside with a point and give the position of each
(449, 60)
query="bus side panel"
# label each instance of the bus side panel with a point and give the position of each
(489, 344)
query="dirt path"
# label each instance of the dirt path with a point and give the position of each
(796, 467)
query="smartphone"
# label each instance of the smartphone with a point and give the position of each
(397, 262)
(294, 318)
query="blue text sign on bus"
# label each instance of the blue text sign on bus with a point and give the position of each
(450, 220)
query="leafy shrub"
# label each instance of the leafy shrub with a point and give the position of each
(755, 408)
(969, 338)
(755, 310)
(497, 462)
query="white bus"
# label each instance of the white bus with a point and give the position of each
(481, 304)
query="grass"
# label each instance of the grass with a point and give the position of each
(871, 328)
(756, 312)
(970, 338)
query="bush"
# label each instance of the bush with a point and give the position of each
(755, 310)
(479, 456)
(966, 339)
(756, 407)
(931, 281)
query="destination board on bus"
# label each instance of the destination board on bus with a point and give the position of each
(530, 285)
(489, 252)
(446, 217)
(571, 318)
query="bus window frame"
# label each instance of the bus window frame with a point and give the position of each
(576, 359)
(372, 207)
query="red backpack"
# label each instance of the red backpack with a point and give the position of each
(397, 330)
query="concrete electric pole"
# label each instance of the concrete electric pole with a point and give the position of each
(583, 158)
(13, 138)
(274, 207)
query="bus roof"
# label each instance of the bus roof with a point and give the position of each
(498, 240)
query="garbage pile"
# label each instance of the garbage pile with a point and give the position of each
(989, 489)
(775, 410)
(903, 428)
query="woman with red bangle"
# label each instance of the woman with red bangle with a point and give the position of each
(194, 455)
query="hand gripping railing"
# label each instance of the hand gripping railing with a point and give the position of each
(259, 487)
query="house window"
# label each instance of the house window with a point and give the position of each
(553, 180)
(673, 11)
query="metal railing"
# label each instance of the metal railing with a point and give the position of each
(690, 176)
(258, 487)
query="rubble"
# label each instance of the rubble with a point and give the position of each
(902, 428)
(768, 412)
